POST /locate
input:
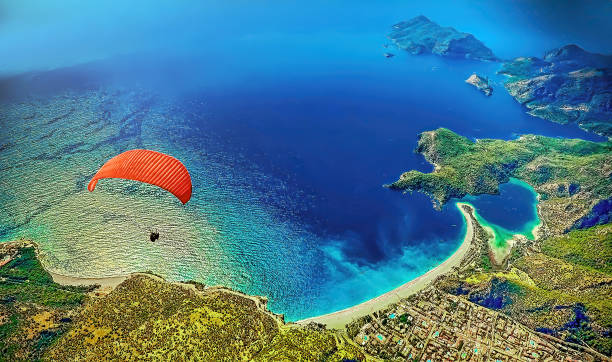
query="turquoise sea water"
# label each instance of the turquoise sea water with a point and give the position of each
(517, 194)
(289, 119)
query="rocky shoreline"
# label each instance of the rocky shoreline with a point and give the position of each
(119, 316)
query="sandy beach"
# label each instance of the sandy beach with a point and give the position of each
(106, 284)
(340, 318)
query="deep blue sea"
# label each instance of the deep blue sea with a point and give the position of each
(294, 120)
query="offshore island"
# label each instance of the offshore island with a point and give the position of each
(567, 85)
(481, 83)
(420, 35)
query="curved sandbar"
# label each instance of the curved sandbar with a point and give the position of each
(342, 317)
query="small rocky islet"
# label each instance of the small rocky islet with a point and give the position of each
(481, 83)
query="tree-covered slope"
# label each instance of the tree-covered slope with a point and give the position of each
(147, 318)
(34, 311)
(561, 286)
(570, 175)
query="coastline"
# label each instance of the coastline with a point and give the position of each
(108, 284)
(335, 320)
(339, 319)
(501, 240)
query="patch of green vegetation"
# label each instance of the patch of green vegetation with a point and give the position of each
(466, 167)
(31, 305)
(352, 329)
(8, 328)
(551, 273)
(26, 267)
(561, 282)
(485, 262)
(591, 248)
(404, 319)
(603, 345)
(301, 344)
(538, 306)
(25, 280)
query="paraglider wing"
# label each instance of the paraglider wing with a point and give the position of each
(151, 167)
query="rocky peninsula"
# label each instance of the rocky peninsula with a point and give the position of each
(570, 175)
(568, 85)
(422, 36)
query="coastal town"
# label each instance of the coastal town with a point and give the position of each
(436, 326)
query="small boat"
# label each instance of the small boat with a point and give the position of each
(389, 55)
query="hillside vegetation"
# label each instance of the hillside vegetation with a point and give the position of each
(34, 311)
(570, 175)
(148, 318)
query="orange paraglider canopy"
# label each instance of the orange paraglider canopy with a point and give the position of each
(152, 167)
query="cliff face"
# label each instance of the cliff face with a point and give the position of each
(568, 85)
(422, 36)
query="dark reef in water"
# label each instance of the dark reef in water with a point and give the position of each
(422, 36)
(568, 85)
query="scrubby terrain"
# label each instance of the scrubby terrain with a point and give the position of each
(145, 317)
(34, 311)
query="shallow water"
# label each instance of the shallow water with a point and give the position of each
(289, 131)
(511, 216)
